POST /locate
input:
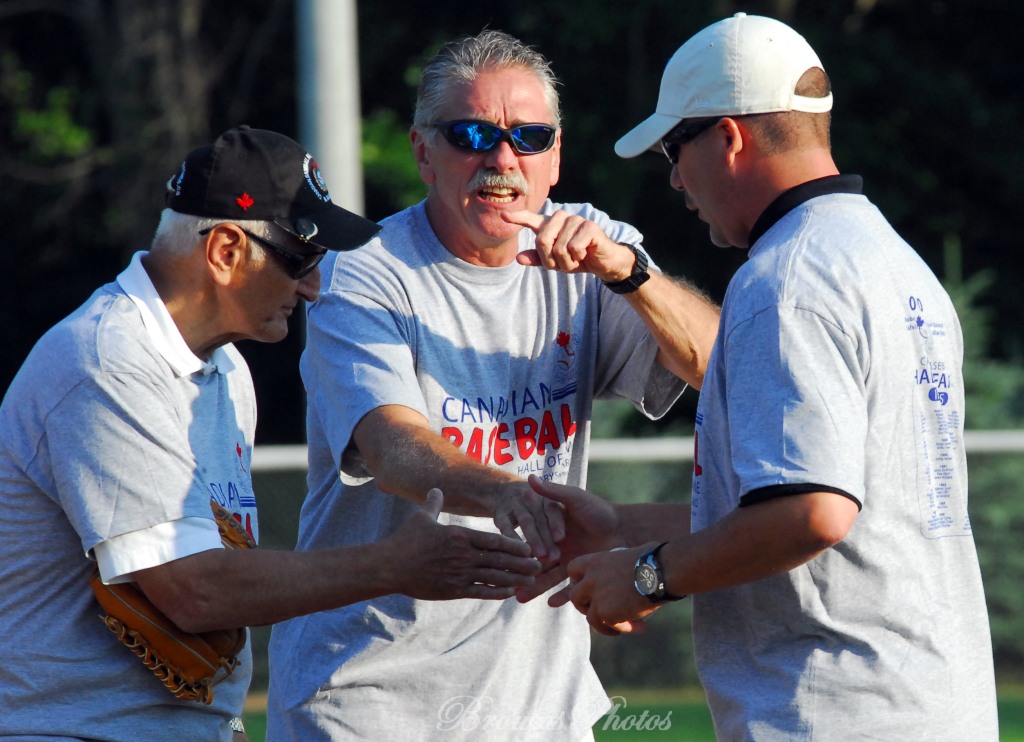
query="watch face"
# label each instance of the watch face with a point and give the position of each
(646, 579)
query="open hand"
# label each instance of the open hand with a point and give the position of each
(437, 562)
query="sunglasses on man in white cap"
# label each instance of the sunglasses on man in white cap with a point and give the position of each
(741, 65)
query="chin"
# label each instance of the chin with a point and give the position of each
(718, 240)
(498, 230)
(274, 333)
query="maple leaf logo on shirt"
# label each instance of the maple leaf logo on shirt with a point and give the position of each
(565, 362)
(241, 458)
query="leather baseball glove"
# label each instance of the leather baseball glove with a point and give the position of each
(188, 664)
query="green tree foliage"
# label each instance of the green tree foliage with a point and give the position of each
(995, 400)
(392, 177)
(997, 518)
(99, 99)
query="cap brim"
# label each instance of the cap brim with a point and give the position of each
(337, 228)
(645, 135)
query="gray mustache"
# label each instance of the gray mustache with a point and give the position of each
(484, 179)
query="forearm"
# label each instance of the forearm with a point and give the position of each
(225, 588)
(644, 522)
(408, 459)
(682, 321)
(756, 542)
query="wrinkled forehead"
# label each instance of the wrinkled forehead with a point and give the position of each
(505, 96)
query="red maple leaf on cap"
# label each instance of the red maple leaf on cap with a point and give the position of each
(245, 201)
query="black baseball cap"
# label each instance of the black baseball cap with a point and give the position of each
(259, 174)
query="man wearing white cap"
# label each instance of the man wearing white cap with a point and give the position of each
(828, 547)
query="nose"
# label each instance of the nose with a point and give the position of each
(674, 180)
(502, 158)
(309, 285)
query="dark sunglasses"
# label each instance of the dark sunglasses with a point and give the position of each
(682, 133)
(297, 265)
(481, 136)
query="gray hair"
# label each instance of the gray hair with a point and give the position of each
(460, 62)
(178, 233)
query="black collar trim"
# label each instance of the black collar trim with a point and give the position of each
(795, 196)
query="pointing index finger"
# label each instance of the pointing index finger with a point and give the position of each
(524, 218)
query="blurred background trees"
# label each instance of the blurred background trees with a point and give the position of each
(101, 99)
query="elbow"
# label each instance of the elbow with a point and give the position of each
(688, 364)
(180, 593)
(700, 368)
(699, 357)
(822, 539)
(829, 520)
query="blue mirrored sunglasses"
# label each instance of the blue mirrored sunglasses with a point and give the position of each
(481, 136)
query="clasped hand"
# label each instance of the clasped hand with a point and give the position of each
(541, 520)
(438, 562)
(601, 588)
(601, 581)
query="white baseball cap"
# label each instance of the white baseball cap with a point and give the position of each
(741, 65)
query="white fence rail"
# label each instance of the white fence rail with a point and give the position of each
(277, 458)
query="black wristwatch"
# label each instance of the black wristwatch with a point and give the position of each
(636, 279)
(649, 580)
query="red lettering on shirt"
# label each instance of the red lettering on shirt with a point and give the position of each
(501, 444)
(526, 431)
(531, 437)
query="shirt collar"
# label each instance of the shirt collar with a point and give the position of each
(160, 327)
(797, 195)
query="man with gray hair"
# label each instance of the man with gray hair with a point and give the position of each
(132, 418)
(463, 351)
(828, 547)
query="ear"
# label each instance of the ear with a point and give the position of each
(422, 155)
(556, 158)
(735, 137)
(227, 250)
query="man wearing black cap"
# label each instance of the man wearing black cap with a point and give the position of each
(134, 413)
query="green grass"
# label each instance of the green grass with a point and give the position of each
(678, 715)
(1011, 717)
(681, 716)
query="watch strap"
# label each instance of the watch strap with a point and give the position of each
(637, 278)
(651, 559)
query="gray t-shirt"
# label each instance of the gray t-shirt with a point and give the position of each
(102, 435)
(505, 363)
(838, 365)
